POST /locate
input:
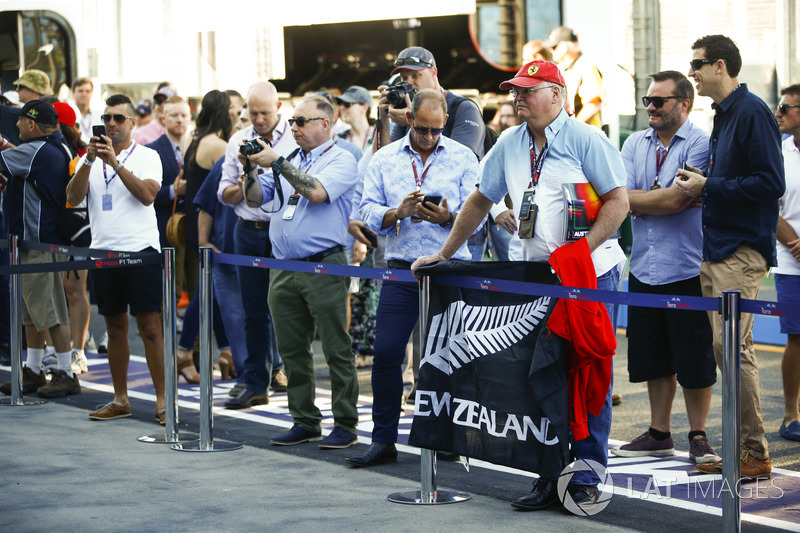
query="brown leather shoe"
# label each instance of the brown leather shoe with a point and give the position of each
(751, 468)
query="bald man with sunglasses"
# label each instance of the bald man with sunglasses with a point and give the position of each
(666, 346)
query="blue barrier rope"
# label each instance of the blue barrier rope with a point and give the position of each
(111, 259)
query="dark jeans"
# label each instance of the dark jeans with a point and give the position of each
(254, 284)
(398, 310)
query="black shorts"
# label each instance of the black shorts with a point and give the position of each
(136, 286)
(663, 342)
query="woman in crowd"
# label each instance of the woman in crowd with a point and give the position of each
(209, 142)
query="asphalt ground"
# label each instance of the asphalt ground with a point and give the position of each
(64, 472)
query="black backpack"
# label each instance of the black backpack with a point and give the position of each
(490, 136)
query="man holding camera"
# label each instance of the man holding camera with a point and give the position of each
(417, 69)
(251, 237)
(398, 202)
(120, 179)
(314, 196)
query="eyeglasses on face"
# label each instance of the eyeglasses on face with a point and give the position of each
(697, 64)
(526, 92)
(784, 108)
(411, 60)
(657, 101)
(425, 131)
(119, 119)
(301, 121)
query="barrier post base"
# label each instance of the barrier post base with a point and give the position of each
(21, 401)
(215, 446)
(163, 438)
(438, 497)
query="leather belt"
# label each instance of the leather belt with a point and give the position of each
(323, 254)
(258, 224)
(398, 264)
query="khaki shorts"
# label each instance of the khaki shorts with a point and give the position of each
(44, 304)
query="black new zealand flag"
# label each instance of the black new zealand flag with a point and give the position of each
(492, 381)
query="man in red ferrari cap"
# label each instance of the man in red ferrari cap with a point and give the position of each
(531, 162)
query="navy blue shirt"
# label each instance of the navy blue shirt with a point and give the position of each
(745, 178)
(224, 216)
(40, 160)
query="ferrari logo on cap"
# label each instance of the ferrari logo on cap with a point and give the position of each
(532, 70)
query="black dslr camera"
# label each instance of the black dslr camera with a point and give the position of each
(252, 147)
(397, 94)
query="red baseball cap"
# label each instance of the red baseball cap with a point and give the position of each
(66, 115)
(534, 73)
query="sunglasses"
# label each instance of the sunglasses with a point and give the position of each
(425, 131)
(657, 101)
(399, 62)
(784, 108)
(302, 121)
(697, 64)
(119, 119)
(527, 91)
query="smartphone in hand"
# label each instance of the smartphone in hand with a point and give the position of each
(98, 131)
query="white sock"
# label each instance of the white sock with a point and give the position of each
(34, 359)
(65, 362)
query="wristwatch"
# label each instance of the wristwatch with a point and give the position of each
(277, 165)
(449, 221)
(117, 167)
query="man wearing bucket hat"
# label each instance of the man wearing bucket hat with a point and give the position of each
(32, 85)
(530, 162)
(417, 67)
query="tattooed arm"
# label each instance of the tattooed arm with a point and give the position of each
(306, 185)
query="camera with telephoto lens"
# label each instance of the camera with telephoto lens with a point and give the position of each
(252, 147)
(397, 94)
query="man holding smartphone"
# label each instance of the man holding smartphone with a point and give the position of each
(413, 191)
(120, 178)
(740, 194)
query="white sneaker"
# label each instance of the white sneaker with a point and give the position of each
(80, 365)
(102, 346)
(88, 344)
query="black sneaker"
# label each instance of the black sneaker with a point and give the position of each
(61, 384)
(31, 381)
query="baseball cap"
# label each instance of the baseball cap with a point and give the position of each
(560, 34)
(40, 112)
(144, 107)
(66, 115)
(414, 58)
(12, 97)
(534, 73)
(355, 94)
(35, 80)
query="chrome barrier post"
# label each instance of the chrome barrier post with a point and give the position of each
(206, 442)
(15, 307)
(731, 411)
(169, 312)
(427, 495)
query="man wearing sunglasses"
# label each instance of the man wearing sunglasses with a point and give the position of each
(263, 367)
(740, 193)
(120, 179)
(424, 162)
(787, 273)
(667, 347)
(314, 205)
(417, 67)
(530, 164)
